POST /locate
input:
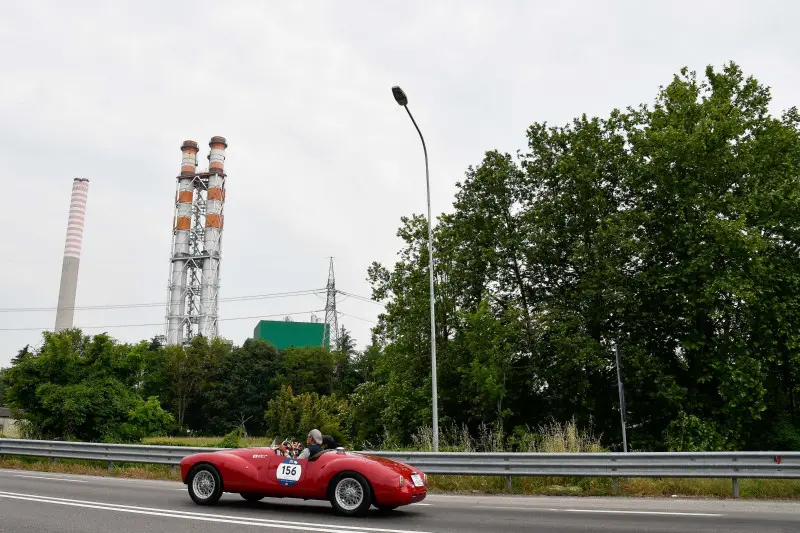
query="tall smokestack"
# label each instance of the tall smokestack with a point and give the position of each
(72, 254)
(184, 199)
(212, 238)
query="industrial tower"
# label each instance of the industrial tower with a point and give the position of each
(72, 254)
(331, 335)
(196, 245)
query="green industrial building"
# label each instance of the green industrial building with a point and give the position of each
(284, 334)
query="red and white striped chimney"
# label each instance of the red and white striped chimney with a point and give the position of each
(72, 254)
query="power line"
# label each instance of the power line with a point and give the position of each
(162, 323)
(357, 317)
(160, 304)
(364, 298)
(243, 298)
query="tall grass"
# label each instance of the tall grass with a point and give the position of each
(206, 442)
(551, 438)
(91, 468)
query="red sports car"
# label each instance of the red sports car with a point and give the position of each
(350, 481)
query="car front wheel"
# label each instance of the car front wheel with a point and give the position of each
(205, 485)
(350, 494)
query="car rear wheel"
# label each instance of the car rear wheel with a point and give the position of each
(350, 494)
(251, 496)
(205, 485)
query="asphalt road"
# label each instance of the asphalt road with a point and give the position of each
(57, 503)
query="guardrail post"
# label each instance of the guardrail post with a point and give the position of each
(508, 482)
(111, 465)
(616, 485)
(736, 487)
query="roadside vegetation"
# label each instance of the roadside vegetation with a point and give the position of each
(684, 488)
(566, 438)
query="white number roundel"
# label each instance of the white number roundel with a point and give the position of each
(289, 472)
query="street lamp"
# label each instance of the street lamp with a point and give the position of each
(402, 100)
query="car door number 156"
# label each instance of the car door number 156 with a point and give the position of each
(289, 472)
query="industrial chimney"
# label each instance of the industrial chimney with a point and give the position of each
(196, 245)
(72, 254)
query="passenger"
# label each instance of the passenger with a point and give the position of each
(285, 449)
(329, 443)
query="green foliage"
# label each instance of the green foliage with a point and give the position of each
(246, 379)
(687, 433)
(231, 440)
(80, 387)
(308, 369)
(3, 372)
(292, 417)
(146, 419)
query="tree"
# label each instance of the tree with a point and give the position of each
(246, 380)
(669, 230)
(3, 372)
(292, 417)
(81, 387)
(345, 373)
(189, 370)
(308, 369)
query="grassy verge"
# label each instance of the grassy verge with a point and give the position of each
(566, 438)
(91, 468)
(775, 489)
(209, 442)
(705, 488)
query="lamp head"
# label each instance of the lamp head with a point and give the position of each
(399, 95)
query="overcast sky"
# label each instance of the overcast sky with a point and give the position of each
(321, 161)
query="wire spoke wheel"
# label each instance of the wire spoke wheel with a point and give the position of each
(349, 494)
(204, 484)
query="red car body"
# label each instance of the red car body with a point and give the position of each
(256, 471)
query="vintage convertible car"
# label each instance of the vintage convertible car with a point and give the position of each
(350, 481)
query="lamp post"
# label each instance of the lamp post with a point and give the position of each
(401, 98)
(621, 400)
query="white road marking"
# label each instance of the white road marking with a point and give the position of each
(421, 504)
(204, 517)
(152, 483)
(601, 511)
(51, 478)
(622, 511)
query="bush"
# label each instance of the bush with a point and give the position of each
(688, 433)
(146, 419)
(292, 417)
(231, 440)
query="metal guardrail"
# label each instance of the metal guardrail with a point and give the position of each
(122, 453)
(733, 465)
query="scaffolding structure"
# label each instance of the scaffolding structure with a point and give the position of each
(193, 305)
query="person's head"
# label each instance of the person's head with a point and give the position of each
(329, 443)
(314, 436)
